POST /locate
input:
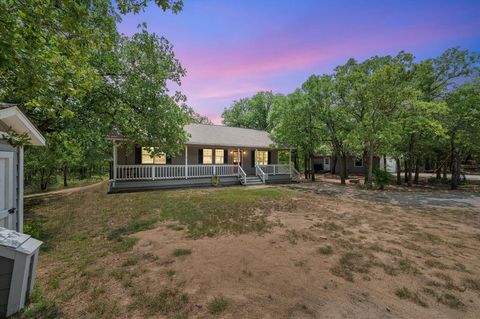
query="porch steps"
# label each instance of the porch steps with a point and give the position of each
(252, 180)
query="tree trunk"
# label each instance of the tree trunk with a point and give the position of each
(456, 162)
(65, 176)
(417, 171)
(370, 163)
(410, 166)
(312, 163)
(399, 175)
(405, 171)
(385, 163)
(343, 171)
(439, 166)
(305, 165)
(333, 167)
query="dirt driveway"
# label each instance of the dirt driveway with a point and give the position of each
(406, 198)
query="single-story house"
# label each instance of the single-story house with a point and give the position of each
(11, 165)
(213, 155)
(355, 164)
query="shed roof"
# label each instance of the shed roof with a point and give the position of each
(219, 135)
(13, 117)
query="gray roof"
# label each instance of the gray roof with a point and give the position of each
(218, 135)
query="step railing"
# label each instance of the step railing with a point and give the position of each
(294, 174)
(242, 176)
(260, 173)
(154, 172)
(275, 169)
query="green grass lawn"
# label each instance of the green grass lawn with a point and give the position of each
(83, 228)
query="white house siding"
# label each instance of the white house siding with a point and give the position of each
(5, 147)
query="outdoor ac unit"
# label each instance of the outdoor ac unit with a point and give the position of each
(18, 263)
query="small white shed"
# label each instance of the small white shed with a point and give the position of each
(18, 264)
(11, 165)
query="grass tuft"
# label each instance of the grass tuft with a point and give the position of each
(167, 301)
(327, 250)
(405, 293)
(349, 263)
(181, 252)
(218, 305)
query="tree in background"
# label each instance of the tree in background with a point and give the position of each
(250, 112)
(462, 125)
(71, 71)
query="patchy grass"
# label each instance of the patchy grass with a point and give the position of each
(217, 305)
(350, 263)
(405, 293)
(326, 250)
(181, 252)
(166, 302)
(451, 301)
(177, 227)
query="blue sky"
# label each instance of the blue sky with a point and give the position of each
(233, 49)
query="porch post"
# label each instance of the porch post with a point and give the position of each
(20, 190)
(114, 162)
(290, 161)
(186, 162)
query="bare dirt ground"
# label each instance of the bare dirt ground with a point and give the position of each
(334, 253)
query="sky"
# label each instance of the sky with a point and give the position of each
(232, 49)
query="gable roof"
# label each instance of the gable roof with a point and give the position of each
(13, 117)
(219, 135)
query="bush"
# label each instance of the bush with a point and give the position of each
(381, 178)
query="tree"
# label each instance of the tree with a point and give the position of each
(250, 112)
(462, 126)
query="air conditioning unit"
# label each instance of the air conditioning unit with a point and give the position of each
(18, 263)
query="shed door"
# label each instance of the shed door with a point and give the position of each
(326, 163)
(6, 188)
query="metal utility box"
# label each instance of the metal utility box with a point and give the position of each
(18, 263)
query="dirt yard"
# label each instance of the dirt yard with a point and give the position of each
(312, 251)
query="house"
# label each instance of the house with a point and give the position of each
(12, 119)
(355, 164)
(214, 154)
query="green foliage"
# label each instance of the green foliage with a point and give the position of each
(218, 305)
(381, 178)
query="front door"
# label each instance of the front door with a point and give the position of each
(237, 158)
(6, 189)
(326, 163)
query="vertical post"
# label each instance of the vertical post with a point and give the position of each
(114, 163)
(153, 172)
(186, 162)
(20, 190)
(290, 161)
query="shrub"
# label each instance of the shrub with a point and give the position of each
(381, 178)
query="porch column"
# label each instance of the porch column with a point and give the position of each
(114, 162)
(186, 162)
(290, 161)
(254, 159)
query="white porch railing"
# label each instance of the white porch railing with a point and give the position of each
(153, 172)
(260, 173)
(242, 175)
(276, 169)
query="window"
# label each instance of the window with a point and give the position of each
(359, 162)
(219, 157)
(207, 156)
(147, 158)
(261, 157)
(326, 161)
(236, 157)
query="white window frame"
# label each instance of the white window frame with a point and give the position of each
(219, 159)
(209, 158)
(160, 159)
(263, 159)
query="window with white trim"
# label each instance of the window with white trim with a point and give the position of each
(207, 156)
(358, 162)
(261, 157)
(219, 157)
(147, 157)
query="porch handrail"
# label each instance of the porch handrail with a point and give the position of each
(260, 173)
(242, 175)
(275, 169)
(154, 172)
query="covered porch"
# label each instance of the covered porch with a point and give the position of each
(197, 165)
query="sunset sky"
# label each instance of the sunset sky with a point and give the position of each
(233, 49)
